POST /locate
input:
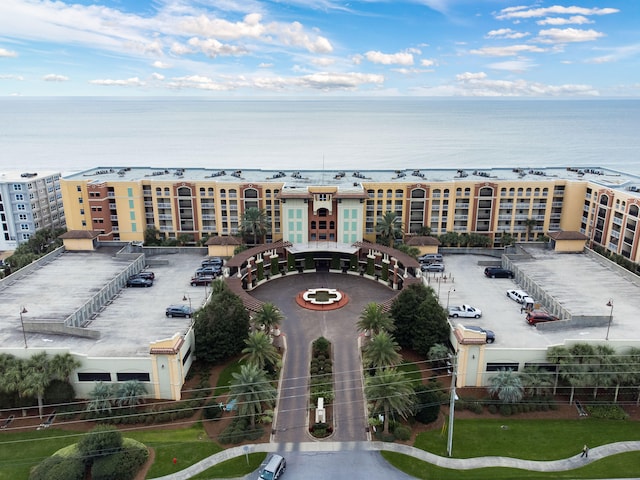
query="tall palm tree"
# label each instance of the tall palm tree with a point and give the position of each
(382, 351)
(507, 386)
(536, 381)
(101, 397)
(130, 393)
(252, 392)
(389, 227)
(391, 393)
(269, 316)
(260, 351)
(374, 319)
(255, 222)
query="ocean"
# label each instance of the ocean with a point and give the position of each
(78, 133)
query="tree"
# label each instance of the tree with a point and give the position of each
(252, 391)
(536, 381)
(374, 319)
(389, 227)
(391, 393)
(255, 223)
(130, 393)
(382, 351)
(269, 316)
(221, 326)
(100, 399)
(260, 351)
(507, 386)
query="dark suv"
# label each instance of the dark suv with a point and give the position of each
(498, 272)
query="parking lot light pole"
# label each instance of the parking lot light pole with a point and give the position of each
(24, 335)
(609, 304)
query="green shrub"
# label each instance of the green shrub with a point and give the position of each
(505, 409)
(402, 432)
(58, 467)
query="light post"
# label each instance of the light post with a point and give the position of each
(24, 335)
(448, 294)
(609, 304)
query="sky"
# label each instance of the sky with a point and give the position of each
(300, 48)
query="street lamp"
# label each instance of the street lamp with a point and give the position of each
(448, 294)
(609, 304)
(24, 335)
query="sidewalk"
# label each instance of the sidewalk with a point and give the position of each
(595, 453)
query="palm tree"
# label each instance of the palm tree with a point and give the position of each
(255, 222)
(391, 393)
(536, 381)
(130, 393)
(389, 227)
(507, 386)
(260, 351)
(101, 397)
(374, 319)
(251, 390)
(382, 351)
(269, 316)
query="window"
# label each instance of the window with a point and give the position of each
(94, 377)
(124, 377)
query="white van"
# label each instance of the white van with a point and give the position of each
(272, 467)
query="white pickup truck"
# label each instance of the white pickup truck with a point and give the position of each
(465, 311)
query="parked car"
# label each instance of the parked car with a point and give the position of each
(179, 311)
(466, 311)
(147, 275)
(139, 282)
(498, 272)
(431, 258)
(519, 296)
(432, 267)
(491, 337)
(537, 316)
(202, 280)
(213, 270)
(212, 261)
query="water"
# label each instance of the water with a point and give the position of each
(71, 134)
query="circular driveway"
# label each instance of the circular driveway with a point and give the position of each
(301, 327)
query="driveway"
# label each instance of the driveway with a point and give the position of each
(301, 327)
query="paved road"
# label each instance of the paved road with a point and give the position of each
(301, 327)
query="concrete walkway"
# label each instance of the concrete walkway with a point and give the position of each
(595, 453)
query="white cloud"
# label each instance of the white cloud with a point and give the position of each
(525, 12)
(507, 51)
(400, 58)
(479, 85)
(568, 35)
(55, 78)
(159, 64)
(4, 53)
(507, 33)
(575, 20)
(213, 48)
(129, 82)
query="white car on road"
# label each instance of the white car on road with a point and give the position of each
(466, 311)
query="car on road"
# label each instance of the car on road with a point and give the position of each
(139, 282)
(179, 311)
(490, 335)
(537, 316)
(465, 311)
(519, 296)
(432, 267)
(498, 272)
(202, 280)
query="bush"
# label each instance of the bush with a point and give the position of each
(402, 432)
(58, 467)
(123, 465)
